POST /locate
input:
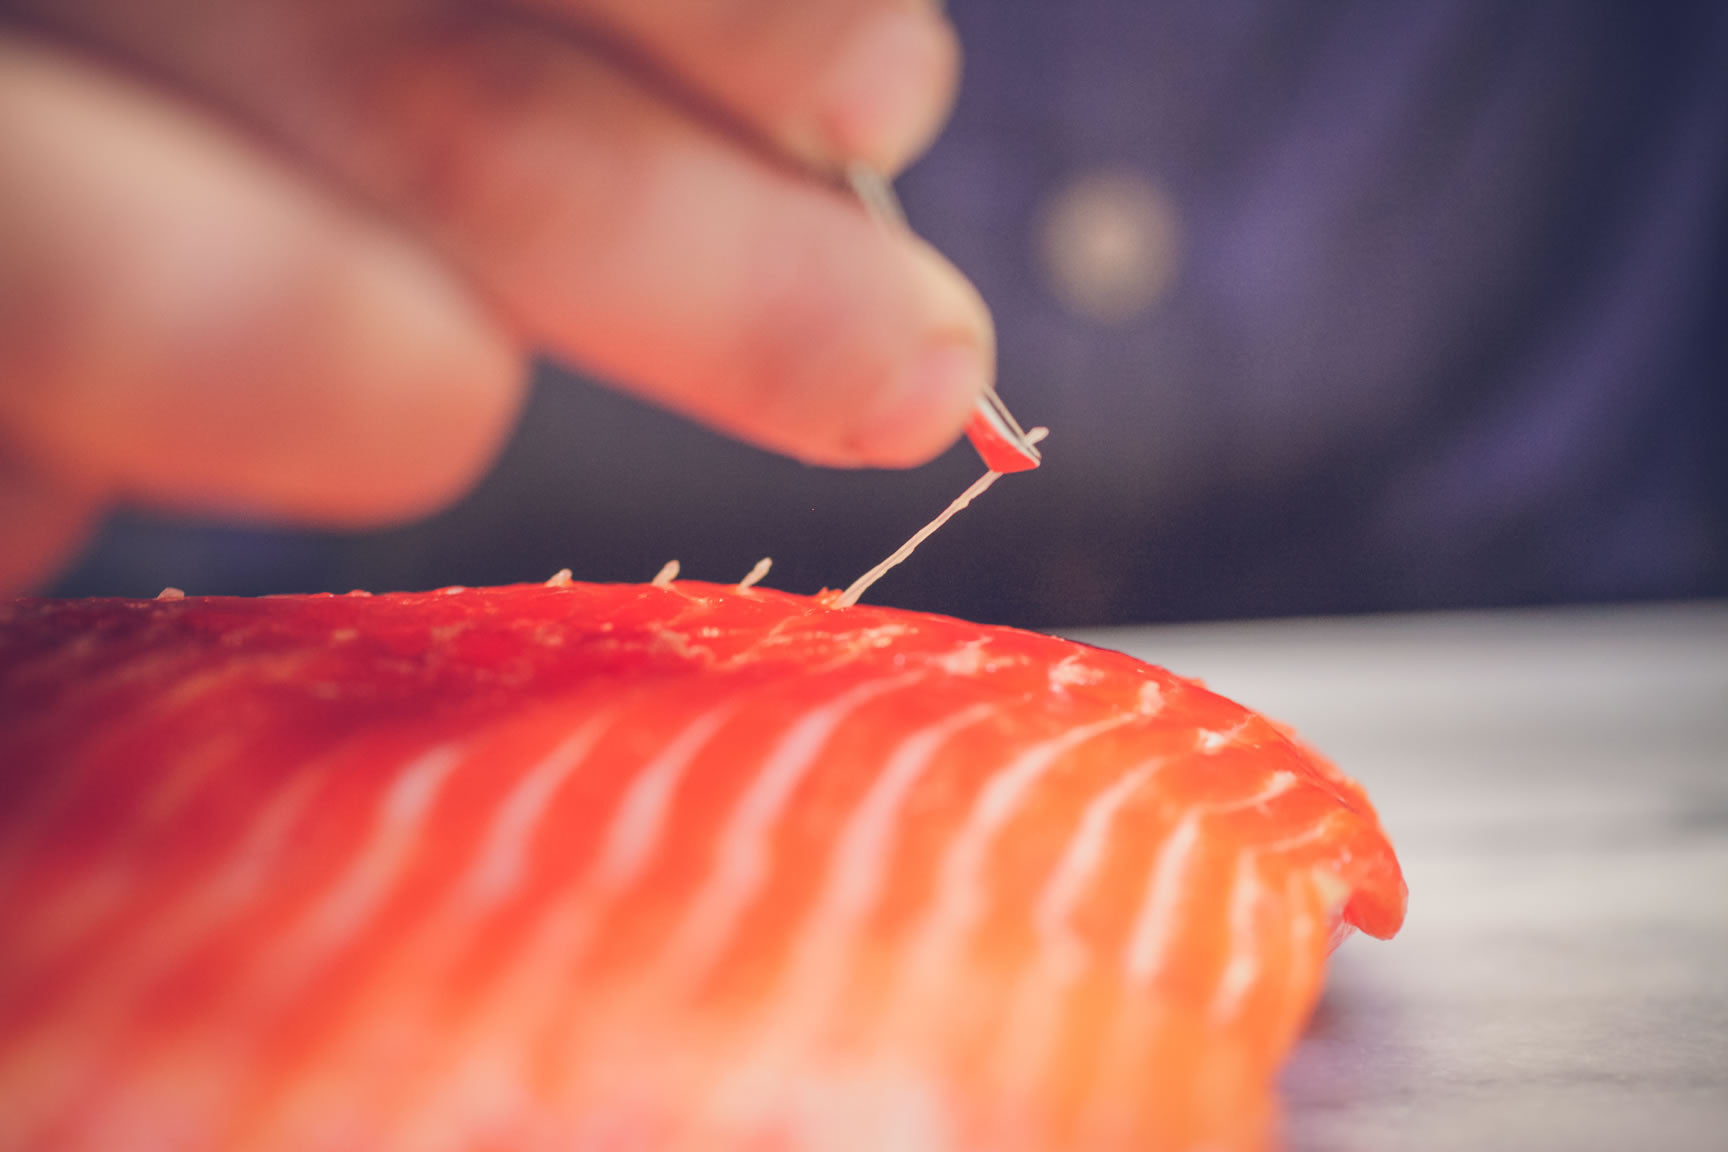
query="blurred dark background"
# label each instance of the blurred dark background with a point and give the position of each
(1330, 307)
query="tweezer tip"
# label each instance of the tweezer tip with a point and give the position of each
(998, 437)
(993, 430)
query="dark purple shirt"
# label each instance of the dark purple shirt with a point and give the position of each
(1436, 319)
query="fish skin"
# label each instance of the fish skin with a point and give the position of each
(600, 866)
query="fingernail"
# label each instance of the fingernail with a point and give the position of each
(890, 89)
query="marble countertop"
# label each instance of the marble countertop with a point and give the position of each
(1556, 783)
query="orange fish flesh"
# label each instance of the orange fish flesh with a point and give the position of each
(615, 866)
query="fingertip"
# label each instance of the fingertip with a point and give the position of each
(45, 524)
(425, 391)
(923, 409)
(343, 378)
(950, 301)
(926, 409)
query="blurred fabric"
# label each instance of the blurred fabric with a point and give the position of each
(1330, 307)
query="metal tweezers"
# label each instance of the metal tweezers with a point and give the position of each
(994, 432)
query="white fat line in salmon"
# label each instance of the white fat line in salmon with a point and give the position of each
(564, 928)
(1278, 782)
(107, 879)
(1060, 949)
(633, 835)
(856, 873)
(431, 951)
(31, 829)
(1035, 1007)
(742, 855)
(1307, 952)
(632, 843)
(89, 1030)
(1314, 832)
(1209, 742)
(962, 881)
(223, 892)
(1247, 892)
(1150, 939)
(858, 869)
(342, 911)
(1314, 893)
(1158, 921)
(503, 858)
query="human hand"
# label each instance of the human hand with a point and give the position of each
(286, 258)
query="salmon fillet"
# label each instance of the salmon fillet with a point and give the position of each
(631, 866)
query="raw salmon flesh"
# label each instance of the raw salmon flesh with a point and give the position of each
(639, 866)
